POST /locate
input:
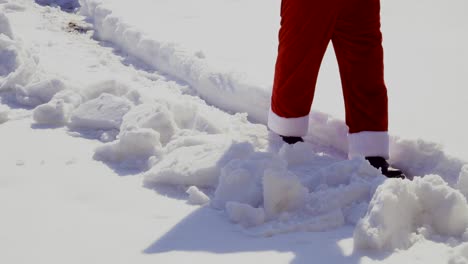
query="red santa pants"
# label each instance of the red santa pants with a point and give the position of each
(353, 26)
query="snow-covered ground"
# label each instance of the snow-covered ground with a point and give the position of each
(172, 95)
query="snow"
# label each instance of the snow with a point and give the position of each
(5, 28)
(245, 214)
(191, 165)
(462, 183)
(65, 4)
(196, 196)
(38, 93)
(134, 149)
(3, 114)
(181, 110)
(105, 112)
(225, 88)
(282, 192)
(402, 211)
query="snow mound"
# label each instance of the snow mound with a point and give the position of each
(103, 113)
(402, 211)
(419, 157)
(260, 191)
(134, 150)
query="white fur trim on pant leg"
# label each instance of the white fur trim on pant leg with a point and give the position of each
(368, 144)
(292, 127)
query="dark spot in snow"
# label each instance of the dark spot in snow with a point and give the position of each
(76, 27)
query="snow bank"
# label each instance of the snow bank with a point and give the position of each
(402, 211)
(223, 89)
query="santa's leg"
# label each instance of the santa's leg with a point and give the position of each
(306, 29)
(358, 46)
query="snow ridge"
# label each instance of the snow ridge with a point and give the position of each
(222, 89)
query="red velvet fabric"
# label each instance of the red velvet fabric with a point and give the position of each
(353, 26)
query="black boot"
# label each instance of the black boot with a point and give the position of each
(382, 164)
(292, 140)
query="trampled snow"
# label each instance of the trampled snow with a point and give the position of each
(139, 100)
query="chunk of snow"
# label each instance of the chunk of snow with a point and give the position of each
(105, 112)
(191, 165)
(132, 150)
(52, 113)
(58, 110)
(155, 116)
(241, 179)
(282, 192)
(245, 214)
(114, 87)
(196, 196)
(39, 93)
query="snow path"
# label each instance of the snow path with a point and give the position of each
(154, 126)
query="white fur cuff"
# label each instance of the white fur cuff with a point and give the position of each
(368, 144)
(292, 127)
